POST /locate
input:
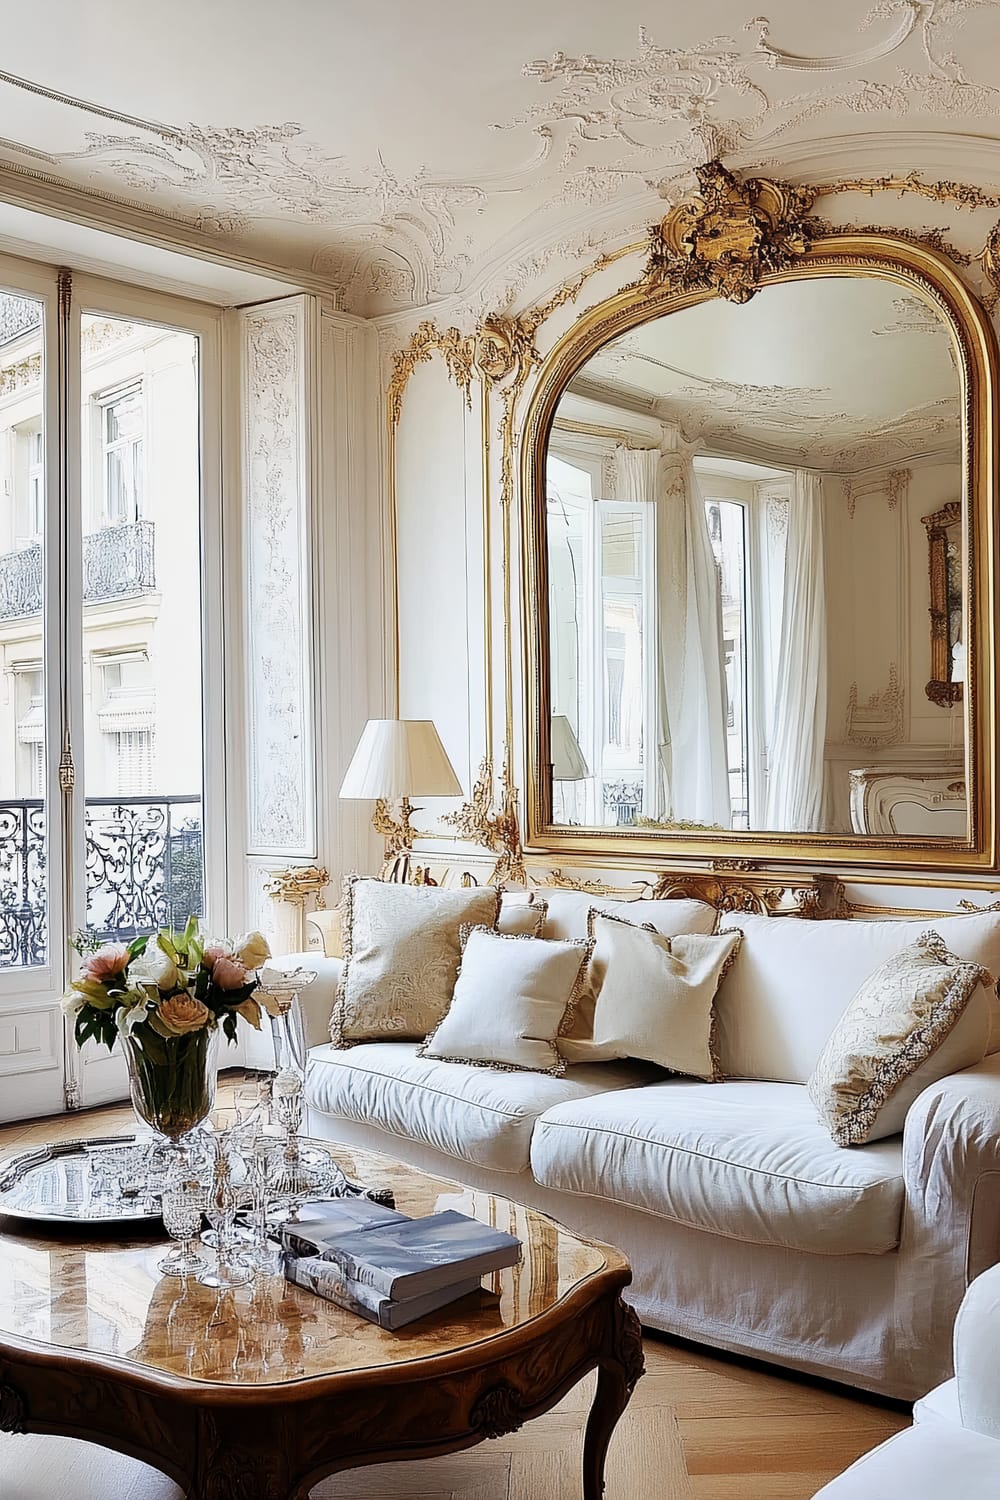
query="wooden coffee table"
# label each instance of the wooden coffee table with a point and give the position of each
(257, 1394)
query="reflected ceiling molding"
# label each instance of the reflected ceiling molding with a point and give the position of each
(893, 485)
(878, 722)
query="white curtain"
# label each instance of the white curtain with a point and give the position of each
(689, 718)
(798, 736)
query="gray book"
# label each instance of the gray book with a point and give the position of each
(325, 1279)
(419, 1256)
(328, 1218)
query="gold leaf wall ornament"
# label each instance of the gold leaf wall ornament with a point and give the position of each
(730, 235)
(428, 339)
(297, 884)
(499, 831)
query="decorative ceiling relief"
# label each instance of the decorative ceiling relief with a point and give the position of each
(427, 189)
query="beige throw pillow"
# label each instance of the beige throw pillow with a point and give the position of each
(922, 1014)
(511, 999)
(522, 916)
(655, 996)
(401, 953)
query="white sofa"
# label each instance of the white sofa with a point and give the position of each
(953, 1447)
(746, 1227)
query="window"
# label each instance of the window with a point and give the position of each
(134, 759)
(36, 483)
(123, 421)
(599, 574)
(727, 531)
(30, 730)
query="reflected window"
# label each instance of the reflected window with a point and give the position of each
(727, 529)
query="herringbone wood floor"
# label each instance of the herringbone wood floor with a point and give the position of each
(700, 1426)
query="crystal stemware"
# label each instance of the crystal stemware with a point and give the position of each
(182, 1204)
(261, 1154)
(223, 1200)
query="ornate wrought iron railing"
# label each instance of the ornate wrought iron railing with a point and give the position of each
(145, 863)
(118, 561)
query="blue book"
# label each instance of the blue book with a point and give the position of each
(419, 1256)
(326, 1279)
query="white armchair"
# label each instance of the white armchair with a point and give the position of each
(953, 1447)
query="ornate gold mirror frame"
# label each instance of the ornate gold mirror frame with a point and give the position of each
(728, 241)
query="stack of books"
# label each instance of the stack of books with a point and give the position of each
(385, 1266)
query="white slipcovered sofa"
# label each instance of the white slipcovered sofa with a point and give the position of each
(953, 1447)
(746, 1226)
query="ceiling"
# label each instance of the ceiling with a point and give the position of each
(840, 373)
(404, 154)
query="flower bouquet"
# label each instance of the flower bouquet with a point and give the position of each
(167, 999)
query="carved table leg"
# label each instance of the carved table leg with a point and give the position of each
(243, 1459)
(618, 1374)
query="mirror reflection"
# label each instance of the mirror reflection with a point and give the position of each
(742, 632)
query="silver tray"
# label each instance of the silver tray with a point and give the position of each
(58, 1184)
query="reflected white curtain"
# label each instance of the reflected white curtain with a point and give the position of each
(689, 718)
(798, 736)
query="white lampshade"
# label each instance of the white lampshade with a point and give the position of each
(568, 763)
(400, 758)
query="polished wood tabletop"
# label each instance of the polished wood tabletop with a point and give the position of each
(105, 1296)
(284, 1387)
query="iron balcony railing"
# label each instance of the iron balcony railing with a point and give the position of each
(144, 870)
(118, 562)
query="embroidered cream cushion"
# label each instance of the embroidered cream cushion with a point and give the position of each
(654, 996)
(923, 1013)
(401, 954)
(511, 1000)
(522, 916)
(568, 916)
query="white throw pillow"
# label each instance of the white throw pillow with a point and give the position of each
(795, 977)
(569, 917)
(402, 945)
(511, 998)
(521, 915)
(569, 913)
(654, 996)
(921, 1015)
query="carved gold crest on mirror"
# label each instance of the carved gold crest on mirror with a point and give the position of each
(730, 467)
(729, 235)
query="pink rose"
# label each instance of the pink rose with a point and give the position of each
(108, 961)
(213, 953)
(229, 973)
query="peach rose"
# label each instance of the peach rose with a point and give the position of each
(107, 962)
(213, 953)
(229, 973)
(181, 1014)
(252, 950)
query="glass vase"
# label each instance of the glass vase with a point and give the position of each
(171, 1079)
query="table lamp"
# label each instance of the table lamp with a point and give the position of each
(397, 759)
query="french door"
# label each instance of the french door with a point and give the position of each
(111, 765)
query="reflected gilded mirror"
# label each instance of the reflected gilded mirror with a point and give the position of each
(737, 501)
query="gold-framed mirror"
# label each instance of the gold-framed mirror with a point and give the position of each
(728, 472)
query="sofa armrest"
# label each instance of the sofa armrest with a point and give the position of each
(977, 1333)
(315, 1002)
(951, 1161)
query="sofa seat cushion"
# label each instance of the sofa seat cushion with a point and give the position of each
(747, 1160)
(474, 1114)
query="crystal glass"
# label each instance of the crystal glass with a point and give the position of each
(260, 1160)
(182, 1205)
(289, 1179)
(223, 1200)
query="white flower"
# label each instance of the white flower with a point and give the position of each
(155, 969)
(252, 950)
